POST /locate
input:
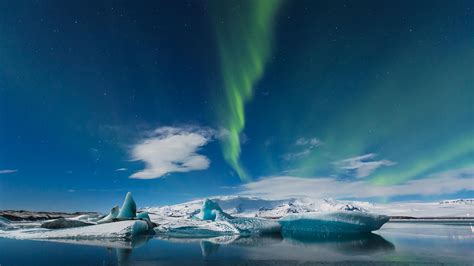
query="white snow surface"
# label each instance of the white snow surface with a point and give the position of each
(123, 229)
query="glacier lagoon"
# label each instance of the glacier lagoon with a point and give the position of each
(428, 243)
(241, 230)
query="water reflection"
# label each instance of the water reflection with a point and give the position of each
(395, 243)
(211, 245)
(123, 248)
(353, 244)
(349, 244)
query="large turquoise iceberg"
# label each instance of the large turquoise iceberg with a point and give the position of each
(129, 208)
(347, 222)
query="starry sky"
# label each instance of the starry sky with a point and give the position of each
(177, 100)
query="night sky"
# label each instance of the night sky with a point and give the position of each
(177, 100)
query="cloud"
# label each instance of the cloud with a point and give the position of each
(172, 149)
(312, 142)
(8, 171)
(308, 143)
(363, 165)
(290, 186)
(121, 169)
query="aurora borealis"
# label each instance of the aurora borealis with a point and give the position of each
(175, 100)
(244, 36)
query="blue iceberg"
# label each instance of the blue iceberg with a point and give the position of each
(346, 222)
(111, 216)
(129, 208)
(144, 216)
(209, 210)
(247, 226)
(213, 221)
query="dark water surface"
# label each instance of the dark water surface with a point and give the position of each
(395, 243)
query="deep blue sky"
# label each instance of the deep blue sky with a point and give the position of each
(369, 93)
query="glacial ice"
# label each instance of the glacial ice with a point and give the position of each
(144, 216)
(347, 222)
(122, 230)
(121, 224)
(250, 226)
(129, 208)
(209, 210)
(207, 219)
(212, 221)
(4, 223)
(112, 215)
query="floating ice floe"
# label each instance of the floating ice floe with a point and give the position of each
(121, 230)
(118, 224)
(212, 221)
(347, 222)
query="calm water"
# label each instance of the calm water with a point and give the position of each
(395, 243)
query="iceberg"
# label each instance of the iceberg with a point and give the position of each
(117, 230)
(347, 222)
(209, 210)
(112, 215)
(144, 216)
(118, 224)
(212, 221)
(129, 208)
(247, 226)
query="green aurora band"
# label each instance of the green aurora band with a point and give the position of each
(244, 37)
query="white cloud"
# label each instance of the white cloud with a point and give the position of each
(363, 165)
(121, 169)
(290, 186)
(172, 149)
(312, 142)
(8, 171)
(308, 143)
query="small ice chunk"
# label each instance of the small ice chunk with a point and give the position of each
(4, 223)
(129, 208)
(346, 222)
(112, 215)
(144, 216)
(209, 209)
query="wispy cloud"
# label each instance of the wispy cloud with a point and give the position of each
(308, 144)
(121, 169)
(8, 171)
(172, 149)
(290, 186)
(363, 165)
